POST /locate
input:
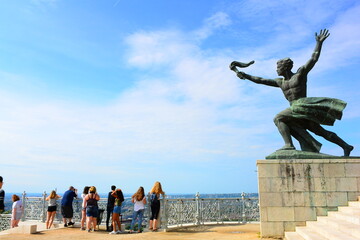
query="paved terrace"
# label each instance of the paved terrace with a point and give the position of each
(234, 232)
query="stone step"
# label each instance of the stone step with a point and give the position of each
(343, 226)
(354, 204)
(293, 236)
(345, 217)
(22, 229)
(352, 210)
(309, 234)
(329, 232)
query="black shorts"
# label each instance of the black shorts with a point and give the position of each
(155, 209)
(67, 211)
(51, 208)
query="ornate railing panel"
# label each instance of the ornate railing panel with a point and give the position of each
(34, 208)
(5, 221)
(251, 212)
(180, 211)
(197, 211)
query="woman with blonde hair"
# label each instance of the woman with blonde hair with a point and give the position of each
(139, 201)
(155, 192)
(51, 208)
(17, 211)
(92, 209)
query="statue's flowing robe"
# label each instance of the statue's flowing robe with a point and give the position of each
(321, 110)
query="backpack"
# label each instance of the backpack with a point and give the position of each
(153, 197)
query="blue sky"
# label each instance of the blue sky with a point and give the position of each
(133, 92)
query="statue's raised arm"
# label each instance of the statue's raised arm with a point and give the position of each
(320, 38)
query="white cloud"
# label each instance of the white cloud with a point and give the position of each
(147, 49)
(211, 24)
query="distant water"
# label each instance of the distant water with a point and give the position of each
(173, 195)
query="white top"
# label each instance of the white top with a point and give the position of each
(17, 206)
(83, 196)
(138, 205)
(52, 202)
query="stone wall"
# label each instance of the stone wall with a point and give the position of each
(292, 192)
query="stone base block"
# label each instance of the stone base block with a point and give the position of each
(294, 191)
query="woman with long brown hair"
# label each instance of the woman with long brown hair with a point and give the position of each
(155, 192)
(139, 201)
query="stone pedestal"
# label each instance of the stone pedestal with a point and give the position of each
(292, 192)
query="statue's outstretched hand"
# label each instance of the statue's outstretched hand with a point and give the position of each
(240, 75)
(324, 33)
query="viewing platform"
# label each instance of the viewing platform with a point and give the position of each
(248, 231)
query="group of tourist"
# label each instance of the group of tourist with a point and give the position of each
(90, 210)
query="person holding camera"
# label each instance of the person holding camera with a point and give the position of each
(66, 206)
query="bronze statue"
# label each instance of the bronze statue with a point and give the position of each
(305, 113)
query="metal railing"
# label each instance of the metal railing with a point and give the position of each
(200, 211)
(174, 213)
(5, 221)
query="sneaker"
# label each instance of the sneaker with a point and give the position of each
(118, 232)
(82, 229)
(113, 232)
(89, 230)
(71, 223)
(65, 225)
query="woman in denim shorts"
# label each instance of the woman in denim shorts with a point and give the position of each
(119, 198)
(92, 209)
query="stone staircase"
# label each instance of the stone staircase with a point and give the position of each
(341, 225)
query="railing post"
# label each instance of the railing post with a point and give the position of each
(198, 213)
(165, 213)
(180, 212)
(243, 208)
(219, 210)
(23, 199)
(44, 207)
